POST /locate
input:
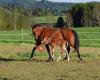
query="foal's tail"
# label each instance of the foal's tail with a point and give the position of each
(76, 40)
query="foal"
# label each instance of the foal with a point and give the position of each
(53, 37)
(65, 35)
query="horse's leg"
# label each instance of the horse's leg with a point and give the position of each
(35, 47)
(78, 53)
(52, 52)
(68, 50)
(48, 50)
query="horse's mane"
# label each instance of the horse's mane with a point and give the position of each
(40, 25)
(34, 26)
(46, 26)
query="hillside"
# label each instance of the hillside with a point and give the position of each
(34, 5)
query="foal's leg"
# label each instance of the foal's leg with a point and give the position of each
(62, 52)
(35, 47)
(68, 51)
(67, 54)
(48, 50)
(52, 52)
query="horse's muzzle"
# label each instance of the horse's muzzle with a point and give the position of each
(44, 42)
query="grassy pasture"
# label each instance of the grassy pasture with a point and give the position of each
(14, 64)
(46, 19)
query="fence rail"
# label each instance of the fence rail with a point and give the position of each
(20, 38)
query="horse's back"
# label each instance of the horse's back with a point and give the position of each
(68, 35)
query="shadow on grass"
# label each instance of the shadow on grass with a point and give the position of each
(34, 60)
(9, 59)
(4, 78)
(6, 59)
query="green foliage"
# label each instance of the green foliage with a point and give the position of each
(17, 18)
(15, 14)
(86, 14)
(60, 22)
(8, 20)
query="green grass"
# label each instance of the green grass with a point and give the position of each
(47, 19)
(15, 66)
(9, 37)
(88, 29)
(89, 33)
(89, 36)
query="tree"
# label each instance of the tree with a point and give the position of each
(43, 0)
(60, 22)
(85, 14)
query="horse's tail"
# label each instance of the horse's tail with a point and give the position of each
(76, 40)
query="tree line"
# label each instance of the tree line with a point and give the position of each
(79, 15)
(84, 15)
(15, 14)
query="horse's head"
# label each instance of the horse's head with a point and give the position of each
(45, 41)
(36, 30)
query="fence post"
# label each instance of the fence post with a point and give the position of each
(22, 35)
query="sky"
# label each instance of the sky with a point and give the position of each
(74, 1)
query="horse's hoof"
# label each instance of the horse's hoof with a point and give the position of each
(64, 58)
(57, 60)
(48, 60)
(32, 59)
(82, 60)
(53, 60)
(68, 61)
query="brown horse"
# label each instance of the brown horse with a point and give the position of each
(55, 39)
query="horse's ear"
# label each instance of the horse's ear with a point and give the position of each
(39, 25)
(33, 26)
